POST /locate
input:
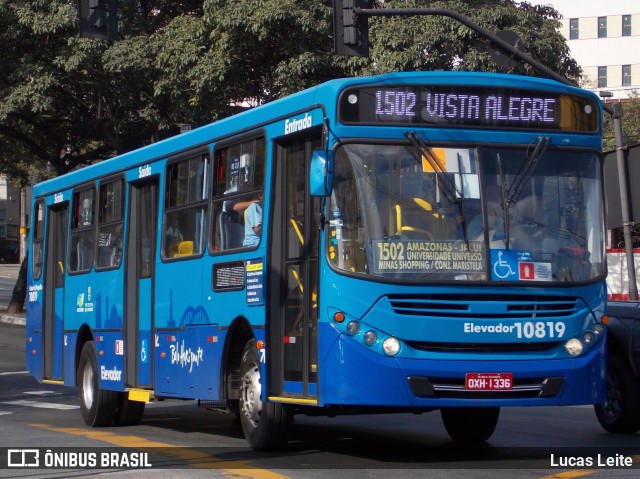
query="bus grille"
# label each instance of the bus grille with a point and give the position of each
(482, 347)
(483, 306)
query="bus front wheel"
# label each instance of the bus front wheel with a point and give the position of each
(470, 424)
(264, 424)
(98, 406)
(620, 411)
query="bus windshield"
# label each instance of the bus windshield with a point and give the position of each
(430, 214)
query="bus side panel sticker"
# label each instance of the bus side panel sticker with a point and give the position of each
(513, 265)
(255, 281)
(228, 276)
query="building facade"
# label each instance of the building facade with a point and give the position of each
(11, 199)
(604, 38)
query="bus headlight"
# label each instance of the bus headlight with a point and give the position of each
(598, 330)
(588, 339)
(574, 347)
(353, 327)
(370, 338)
(391, 346)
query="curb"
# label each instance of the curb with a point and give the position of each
(11, 319)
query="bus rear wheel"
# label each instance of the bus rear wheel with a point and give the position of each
(98, 406)
(470, 424)
(620, 411)
(265, 425)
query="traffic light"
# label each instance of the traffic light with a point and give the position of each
(98, 19)
(350, 32)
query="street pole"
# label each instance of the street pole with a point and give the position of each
(627, 222)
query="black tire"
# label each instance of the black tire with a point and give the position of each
(129, 413)
(265, 425)
(98, 406)
(470, 424)
(620, 412)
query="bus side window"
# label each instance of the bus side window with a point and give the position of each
(38, 240)
(82, 236)
(110, 224)
(239, 184)
(185, 207)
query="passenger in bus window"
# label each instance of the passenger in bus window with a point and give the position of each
(253, 222)
(173, 236)
(236, 205)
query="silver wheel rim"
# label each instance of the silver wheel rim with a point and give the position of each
(87, 385)
(251, 404)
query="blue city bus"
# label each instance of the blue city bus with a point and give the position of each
(400, 243)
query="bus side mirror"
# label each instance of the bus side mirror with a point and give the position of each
(321, 173)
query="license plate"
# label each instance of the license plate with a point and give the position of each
(488, 381)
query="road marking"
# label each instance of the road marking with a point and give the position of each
(11, 373)
(40, 393)
(570, 474)
(4, 413)
(40, 404)
(195, 459)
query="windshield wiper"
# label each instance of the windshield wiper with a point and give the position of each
(506, 219)
(526, 169)
(443, 183)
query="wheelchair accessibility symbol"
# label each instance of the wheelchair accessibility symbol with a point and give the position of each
(143, 351)
(504, 265)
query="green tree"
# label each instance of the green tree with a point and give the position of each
(630, 124)
(245, 52)
(66, 101)
(442, 43)
(259, 50)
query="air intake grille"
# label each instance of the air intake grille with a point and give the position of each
(483, 306)
(482, 347)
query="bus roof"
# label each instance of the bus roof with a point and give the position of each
(281, 108)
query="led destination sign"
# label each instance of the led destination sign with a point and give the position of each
(464, 106)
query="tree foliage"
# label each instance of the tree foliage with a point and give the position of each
(442, 43)
(67, 101)
(630, 125)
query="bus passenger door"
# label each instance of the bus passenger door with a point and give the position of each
(139, 275)
(294, 274)
(53, 327)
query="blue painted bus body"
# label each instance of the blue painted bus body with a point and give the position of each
(181, 353)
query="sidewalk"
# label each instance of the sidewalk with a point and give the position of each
(17, 319)
(9, 272)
